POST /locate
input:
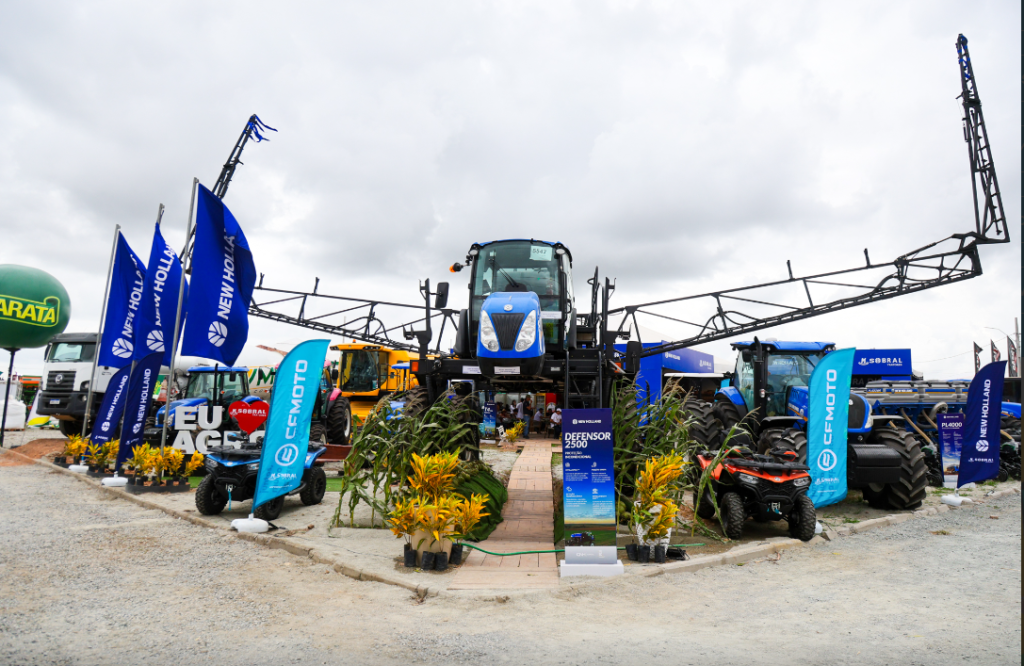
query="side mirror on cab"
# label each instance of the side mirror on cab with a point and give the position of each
(441, 295)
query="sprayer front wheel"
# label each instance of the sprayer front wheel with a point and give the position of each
(339, 422)
(209, 501)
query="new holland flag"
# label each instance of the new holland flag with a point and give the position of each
(223, 277)
(123, 305)
(154, 331)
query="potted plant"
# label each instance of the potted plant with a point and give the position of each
(403, 521)
(194, 463)
(173, 459)
(141, 461)
(468, 514)
(437, 523)
(654, 512)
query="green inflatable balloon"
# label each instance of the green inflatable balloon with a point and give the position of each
(34, 307)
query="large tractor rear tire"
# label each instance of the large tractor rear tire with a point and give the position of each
(912, 487)
(794, 440)
(339, 422)
(769, 439)
(317, 434)
(705, 429)
(728, 415)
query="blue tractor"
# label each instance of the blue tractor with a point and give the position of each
(768, 397)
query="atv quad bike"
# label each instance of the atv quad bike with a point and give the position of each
(231, 475)
(763, 487)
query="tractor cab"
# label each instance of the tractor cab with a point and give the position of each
(520, 305)
(784, 364)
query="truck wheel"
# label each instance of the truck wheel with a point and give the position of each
(803, 519)
(769, 439)
(795, 440)
(339, 422)
(69, 428)
(912, 487)
(209, 501)
(705, 509)
(316, 486)
(704, 427)
(733, 515)
(317, 433)
(269, 510)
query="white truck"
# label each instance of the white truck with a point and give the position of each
(65, 384)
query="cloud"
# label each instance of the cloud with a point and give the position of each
(679, 146)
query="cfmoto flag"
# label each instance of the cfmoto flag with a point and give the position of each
(140, 393)
(979, 457)
(286, 442)
(126, 282)
(223, 276)
(829, 393)
(154, 331)
(112, 407)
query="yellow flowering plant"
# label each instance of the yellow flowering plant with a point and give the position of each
(194, 463)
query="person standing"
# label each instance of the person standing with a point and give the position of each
(556, 423)
(527, 416)
(538, 421)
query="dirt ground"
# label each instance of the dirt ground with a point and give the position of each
(87, 579)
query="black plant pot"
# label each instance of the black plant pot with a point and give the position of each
(408, 547)
(410, 557)
(427, 560)
(456, 557)
(644, 554)
(659, 554)
(441, 561)
(631, 552)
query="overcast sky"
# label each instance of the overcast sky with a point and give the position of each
(678, 146)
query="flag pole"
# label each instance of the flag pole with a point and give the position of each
(99, 331)
(177, 320)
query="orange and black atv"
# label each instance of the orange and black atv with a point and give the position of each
(762, 487)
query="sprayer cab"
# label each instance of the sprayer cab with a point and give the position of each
(520, 304)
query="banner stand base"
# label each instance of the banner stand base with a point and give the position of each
(601, 570)
(253, 525)
(115, 481)
(78, 469)
(955, 500)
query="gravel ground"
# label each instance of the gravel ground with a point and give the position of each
(15, 438)
(90, 580)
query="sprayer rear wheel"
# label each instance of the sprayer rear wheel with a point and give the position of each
(209, 501)
(417, 401)
(909, 492)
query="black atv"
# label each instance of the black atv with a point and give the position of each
(763, 487)
(231, 475)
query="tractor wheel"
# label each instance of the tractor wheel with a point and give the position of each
(803, 520)
(875, 496)
(934, 465)
(209, 501)
(733, 515)
(912, 487)
(705, 509)
(794, 440)
(704, 427)
(317, 434)
(769, 439)
(269, 511)
(728, 415)
(316, 486)
(339, 422)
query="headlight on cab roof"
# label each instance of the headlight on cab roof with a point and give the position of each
(802, 481)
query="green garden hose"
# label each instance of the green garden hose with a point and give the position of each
(561, 550)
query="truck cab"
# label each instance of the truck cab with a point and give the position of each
(65, 385)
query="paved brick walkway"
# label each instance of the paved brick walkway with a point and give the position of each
(528, 525)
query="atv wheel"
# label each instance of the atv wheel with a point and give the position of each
(339, 422)
(270, 510)
(733, 515)
(316, 486)
(875, 496)
(209, 501)
(705, 509)
(912, 487)
(317, 434)
(769, 439)
(803, 520)
(704, 427)
(795, 440)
